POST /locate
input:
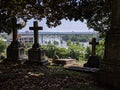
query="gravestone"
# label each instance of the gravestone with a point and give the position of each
(15, 51)
(109, 73)
(93, 60)
(36, 54)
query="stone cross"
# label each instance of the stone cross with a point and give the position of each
(93, 43)
(14, 22)
(36, 28)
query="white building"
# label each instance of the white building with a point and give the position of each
(49, 37)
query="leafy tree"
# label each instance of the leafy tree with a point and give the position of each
(77, 51)
(69, 42)
(62, 52)
(77, 43)
(81, 37)
(96, 13)
(49, 42)
(2, 46)
(49, 50)
(88, 52)
(28, 44)
(73, 51)
(56, 43)
(100, 48)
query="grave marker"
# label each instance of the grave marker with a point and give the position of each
(93, 43)
(36, 28)
(15, 51)
(93, 60)
(36, 54)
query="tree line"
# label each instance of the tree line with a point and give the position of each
(80, 38)
(74, 50)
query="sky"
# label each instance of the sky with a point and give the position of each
(66, 26)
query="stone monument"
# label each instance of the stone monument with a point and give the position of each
(62, 61)
(93, 60)
(110, 66)
(15, 51)
(36, 54)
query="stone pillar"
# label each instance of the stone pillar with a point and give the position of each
(15, 51)
(110, 66)
(36, 54)
(93, 60)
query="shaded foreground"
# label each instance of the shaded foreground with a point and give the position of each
(15, 76)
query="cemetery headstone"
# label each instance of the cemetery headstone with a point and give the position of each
(36, 53)
(93, 60)
(15, 51)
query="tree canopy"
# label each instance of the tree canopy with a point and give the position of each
(95, 12)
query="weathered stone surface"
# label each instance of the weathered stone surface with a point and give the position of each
(64, 61)
(36, 54)
(110, 66)
(15, 51)
(93, 60)
(93, 43)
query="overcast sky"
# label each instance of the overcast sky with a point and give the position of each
(66, 26)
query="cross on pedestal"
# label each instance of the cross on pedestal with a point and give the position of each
(15, 47)
(93, 43)
(36, 28)
(36, 54)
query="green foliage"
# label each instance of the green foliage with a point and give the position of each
(77, 52)
(2, 46)
(100, 48)
(56, 43)
(62, 52)
(28, 44)
(73, 51)
(69, 42)
(88, 52)
(81, 38)
(96, 13)
(49, 50)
